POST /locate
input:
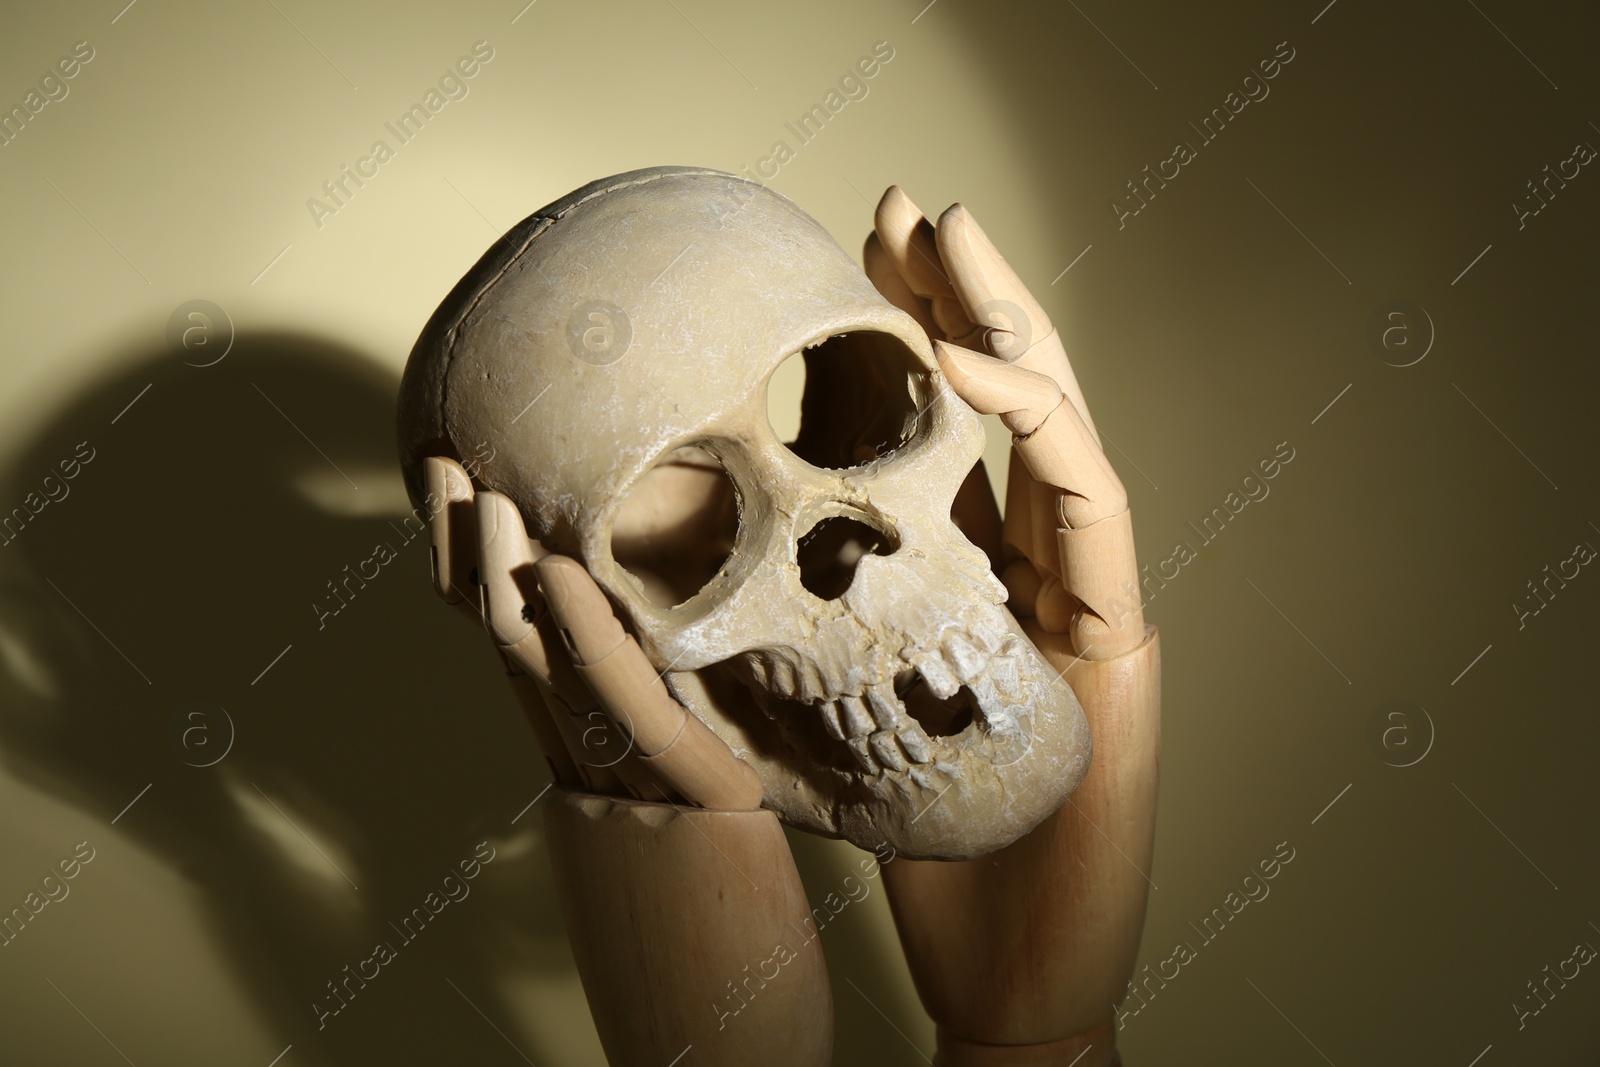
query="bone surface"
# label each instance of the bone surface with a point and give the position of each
(810, 601)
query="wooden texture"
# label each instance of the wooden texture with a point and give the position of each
(886, 278)
(530, 694)
(1061, 454)
(689, 928)
(1101, 573)
(506, 576)
(1097, 1048)
(1036, 943)
(912, 245)
(1022, 398)
(678, 748)
(991, 289)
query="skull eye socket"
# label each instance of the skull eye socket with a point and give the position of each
(862, 398)
(677, 526)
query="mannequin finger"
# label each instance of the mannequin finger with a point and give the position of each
(506, 577)
(452, 532)
(912, 246)
(1078, 523)
(1016, 529)
(909, 239)
(885, 278)
(988, 288)
(606, 761)
(676, 746)
(1022, 582)
(563, 767)
(1022, 398)
(995, 297)
(577, 738)
(1051, 437)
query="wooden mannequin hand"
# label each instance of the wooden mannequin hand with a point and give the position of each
(1035, 984)
(602, 714)
(1001, 354)
(668, 901)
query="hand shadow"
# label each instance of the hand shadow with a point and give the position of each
(182, 558)
(201, 608)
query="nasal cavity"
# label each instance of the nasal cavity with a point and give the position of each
(829, 552)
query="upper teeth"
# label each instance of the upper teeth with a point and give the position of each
(940, 681)
(830, 721)
(964, 657)
(877, 729)
(880, 734)
(1003, 672)
(915, 742)
(885, 705)
(886, 749)
(853, 714)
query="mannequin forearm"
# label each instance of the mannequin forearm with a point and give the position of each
(689, 928)
(1035, 944)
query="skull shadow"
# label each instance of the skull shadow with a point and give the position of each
(217, 509)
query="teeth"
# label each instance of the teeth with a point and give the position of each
(830, 722)
(857, 720)
(1003, 672)
(884, 746)
(966, 659)
(937, 675)
(988, 700)
(996, 712)
(916, 745)
(881, 736)
(858, 746)
(1014, 646)
(885, 705)
(781, 676)
(988, 635)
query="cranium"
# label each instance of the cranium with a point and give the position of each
(611, 355)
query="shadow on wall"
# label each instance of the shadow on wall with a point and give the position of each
(158, 627)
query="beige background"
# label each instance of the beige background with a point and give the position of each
(377, 751)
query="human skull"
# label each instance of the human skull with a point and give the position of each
(607, 362)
